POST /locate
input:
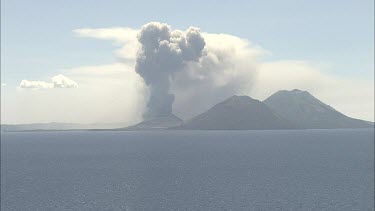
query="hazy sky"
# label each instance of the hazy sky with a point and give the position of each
(335, 37)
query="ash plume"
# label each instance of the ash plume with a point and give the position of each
(164, 52)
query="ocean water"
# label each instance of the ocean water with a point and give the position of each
(188, 170)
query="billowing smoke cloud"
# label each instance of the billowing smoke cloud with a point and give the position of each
(58, 81)
(203, 67)
(163, 53)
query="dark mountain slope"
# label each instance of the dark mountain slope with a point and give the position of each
(238, 113)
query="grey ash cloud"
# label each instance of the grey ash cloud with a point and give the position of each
(163, 53)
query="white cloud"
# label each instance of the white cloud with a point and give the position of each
(228, 67)
(58, 81)
(120, 35)
(26, 84)
(126, 37)
(61, 81)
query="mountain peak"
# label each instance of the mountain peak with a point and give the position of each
(239, 99)
(305, 110)
(294, 92)
(238, 113)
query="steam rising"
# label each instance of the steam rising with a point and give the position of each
(163, 53)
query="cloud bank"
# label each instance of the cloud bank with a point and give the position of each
(163, 69)
(111, 93)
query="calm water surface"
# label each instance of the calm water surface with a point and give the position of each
(188, 170)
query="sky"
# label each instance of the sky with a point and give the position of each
(326, 39)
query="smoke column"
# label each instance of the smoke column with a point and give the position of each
(163, 53)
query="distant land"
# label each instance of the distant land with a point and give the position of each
(52, 126)
(284, 109)
(164, 122)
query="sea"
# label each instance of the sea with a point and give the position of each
(188, 170)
